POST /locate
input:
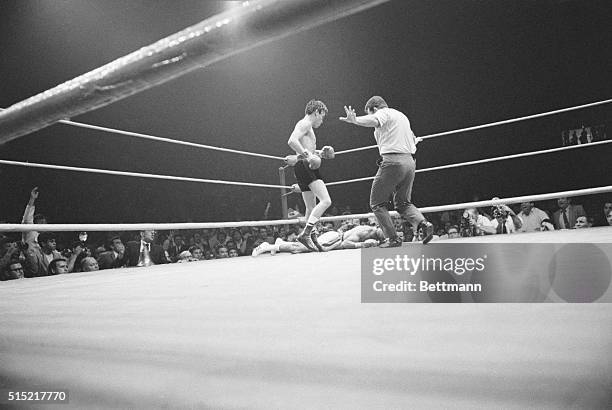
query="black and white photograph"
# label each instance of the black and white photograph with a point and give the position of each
(305, 204)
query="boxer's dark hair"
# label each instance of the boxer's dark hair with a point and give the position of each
(315, 105)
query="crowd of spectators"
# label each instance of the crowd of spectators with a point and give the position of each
(525, 217)
(30, 254)
(584, 135)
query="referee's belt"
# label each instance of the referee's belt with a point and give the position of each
(380, 158)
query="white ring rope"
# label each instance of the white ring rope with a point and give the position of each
(137, 174)
(484, 160)
(216, 181)
(492, 124)
(480, 204)
(211, 225)
(138, 226)
(176, 178)
(168, 140)
(162, 139)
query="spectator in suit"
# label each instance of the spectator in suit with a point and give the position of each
(566, 216)
(176, 245)
(609, 217)
(114, 258)
(135, 250)
(233, 252)
(39, 255)
(531, 217)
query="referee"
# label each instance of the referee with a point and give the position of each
(397, 145)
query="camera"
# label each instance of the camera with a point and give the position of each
(83, 239)
(499, 211)
(467, 227)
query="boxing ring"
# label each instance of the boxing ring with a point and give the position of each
(283, 331)
(290, 332)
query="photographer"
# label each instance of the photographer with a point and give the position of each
(77, 252)
(80, 251)
(474, 224)
(505, 220)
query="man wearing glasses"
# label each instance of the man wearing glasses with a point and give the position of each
(13, 271)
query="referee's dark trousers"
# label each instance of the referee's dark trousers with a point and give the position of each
(395, 176)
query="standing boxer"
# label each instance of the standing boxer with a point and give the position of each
(306, 167)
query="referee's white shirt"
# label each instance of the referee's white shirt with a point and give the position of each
(393, 134)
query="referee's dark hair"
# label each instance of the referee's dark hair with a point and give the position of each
(375, 102)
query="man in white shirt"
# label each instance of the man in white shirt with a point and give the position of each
(531, 217)
(397, 145)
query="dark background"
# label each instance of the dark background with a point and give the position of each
(446, 64)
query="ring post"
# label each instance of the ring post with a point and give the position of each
(284, 208)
